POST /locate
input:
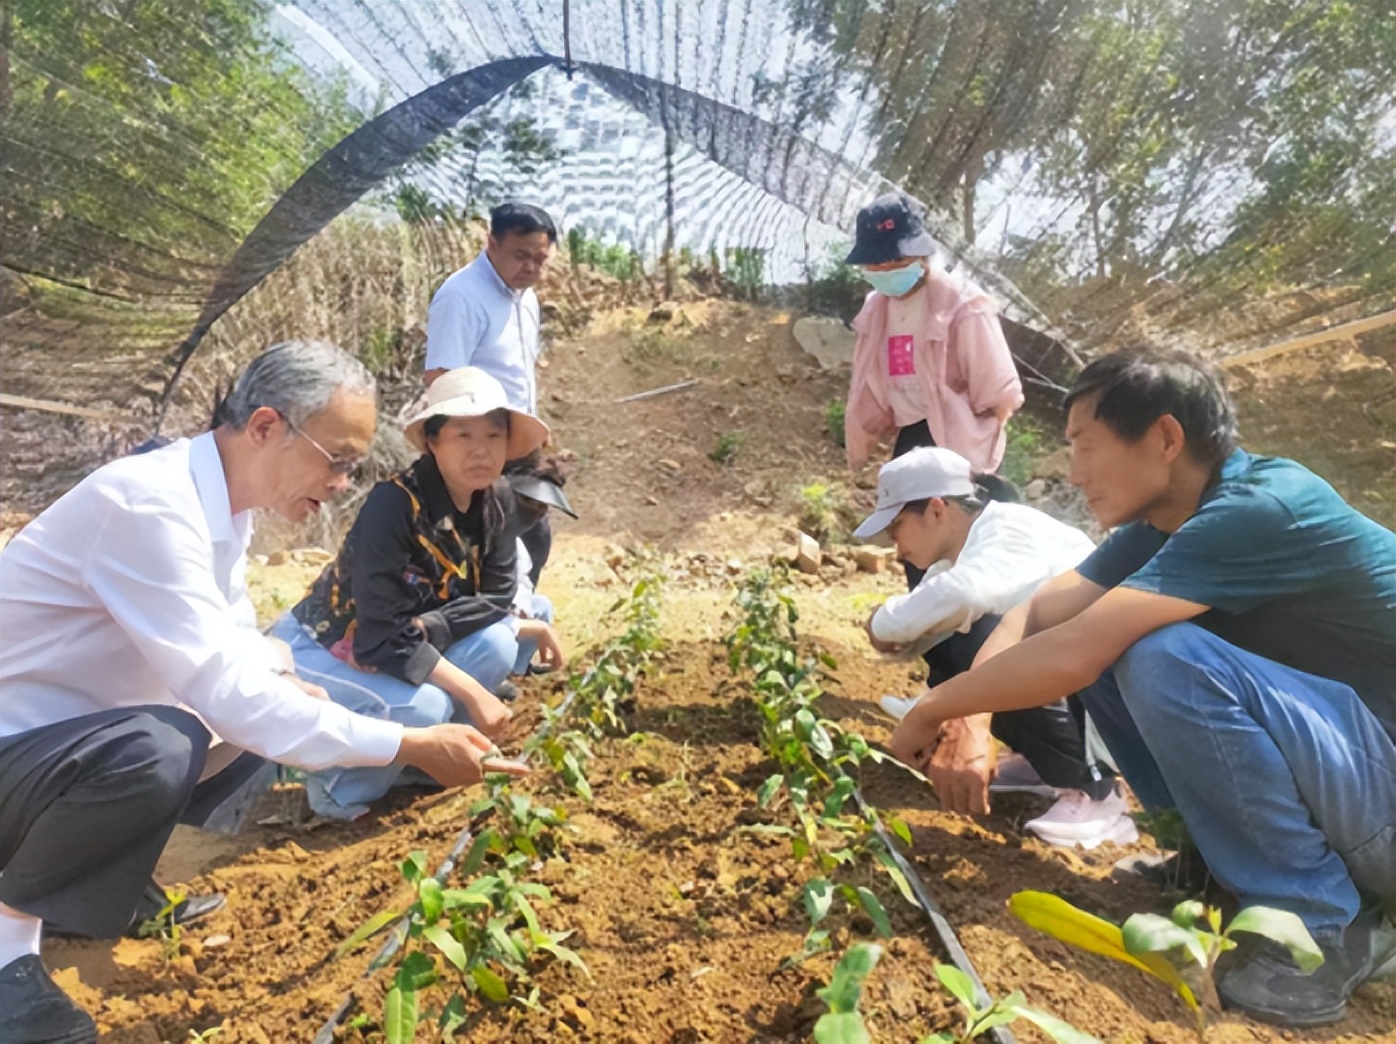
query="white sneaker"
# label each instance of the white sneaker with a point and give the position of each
(1016, 776)
(897, 706)
(1075, 819)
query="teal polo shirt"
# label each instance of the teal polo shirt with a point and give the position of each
(1288, 570)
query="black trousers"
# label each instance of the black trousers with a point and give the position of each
(87, 805)
(538, 539)
(1052, 738)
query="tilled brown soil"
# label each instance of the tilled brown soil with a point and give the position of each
(684, 919)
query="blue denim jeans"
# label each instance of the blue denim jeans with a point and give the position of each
(1285, 781)
(487, 656)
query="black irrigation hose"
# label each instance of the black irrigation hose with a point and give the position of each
(939, 923)
(398, 934)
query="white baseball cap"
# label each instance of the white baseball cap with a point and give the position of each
(471, 392)
(925, 472)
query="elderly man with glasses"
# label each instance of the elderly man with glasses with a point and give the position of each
(135, 689)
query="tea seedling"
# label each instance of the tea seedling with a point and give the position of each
(1194, 933)
(604, 693)
(164, 926)
(843, 1022)
(980, 1019)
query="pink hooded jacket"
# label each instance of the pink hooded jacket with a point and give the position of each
(964, 360)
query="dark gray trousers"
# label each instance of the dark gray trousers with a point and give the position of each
(87, 805)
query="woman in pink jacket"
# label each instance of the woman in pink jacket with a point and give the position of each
(931, 365)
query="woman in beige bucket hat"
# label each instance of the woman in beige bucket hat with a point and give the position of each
(412, 621)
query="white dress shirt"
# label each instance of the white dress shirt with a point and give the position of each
(131, 590)
(1011, 550)
(476, 319)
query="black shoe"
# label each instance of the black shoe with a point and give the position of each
(1269, 986)
(186, 911)
(33, 1010)
(508, 692)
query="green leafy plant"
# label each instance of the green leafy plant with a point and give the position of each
(810, 753)
(1151, 943)
(843, 1022)
(488, 933)
(834, 413)
(1023, 446)
(164, 926)
(603, 694)
(981, 1018)
(826, 513)
(725, 451)
(566, 750)
(1194, 934)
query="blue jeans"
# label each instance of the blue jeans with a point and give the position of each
(1285, 781)
(487, 656)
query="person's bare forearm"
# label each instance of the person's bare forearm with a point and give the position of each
(457, 684)
(1033, 673)
(1010, 631)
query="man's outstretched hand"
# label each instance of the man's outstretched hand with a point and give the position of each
(958, 756)
(453, 755)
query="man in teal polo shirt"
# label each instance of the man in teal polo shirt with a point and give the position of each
(1234, 640)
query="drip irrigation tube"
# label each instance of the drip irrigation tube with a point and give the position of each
(398, 934)
(939, 923)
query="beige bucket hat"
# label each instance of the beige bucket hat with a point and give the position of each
(471, 392)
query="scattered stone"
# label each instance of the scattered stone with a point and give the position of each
(804, 553)
(651, 500)
(1055, 465)
(874, 559)
(664, 312)
(312, 556)
(215, 941)
(828, 340)
(672, 465)
(734, 566)
(1035, 490)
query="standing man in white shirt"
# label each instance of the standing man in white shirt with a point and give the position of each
(486, 315)
(984, 557)
(135, 689)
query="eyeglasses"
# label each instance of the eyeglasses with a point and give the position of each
(341, 466)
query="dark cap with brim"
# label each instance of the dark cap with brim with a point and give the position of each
(541, 490)
(888, 231)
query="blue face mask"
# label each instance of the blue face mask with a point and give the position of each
(896, 281)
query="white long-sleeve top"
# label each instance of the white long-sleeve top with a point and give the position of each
(1010, 551)
(131, 590)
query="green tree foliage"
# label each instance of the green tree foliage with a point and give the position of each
(1244, 142)
(150, 135)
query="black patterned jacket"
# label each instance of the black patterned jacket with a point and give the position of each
(415, 575)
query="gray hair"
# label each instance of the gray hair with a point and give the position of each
(295, 378)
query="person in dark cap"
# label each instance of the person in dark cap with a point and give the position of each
(930, 366)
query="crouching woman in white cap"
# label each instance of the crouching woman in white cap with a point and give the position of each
(982, 558)
(413, 620)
